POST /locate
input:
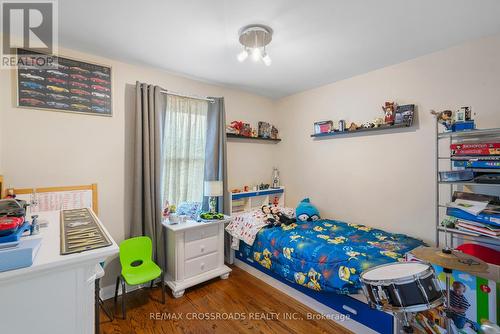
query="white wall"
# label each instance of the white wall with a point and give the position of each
(45, 148)
(385, 179)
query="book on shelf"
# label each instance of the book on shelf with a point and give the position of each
(492, 199)
(477, 151)
(484, 229)
(469, 206)
(476, 163)
(467, 146)
(486, 218)
(491, 148)
(469, 157)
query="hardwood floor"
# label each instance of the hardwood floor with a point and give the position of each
(243, 303)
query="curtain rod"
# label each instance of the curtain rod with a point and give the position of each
(164, 91)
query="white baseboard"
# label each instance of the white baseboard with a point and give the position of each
(310, 302)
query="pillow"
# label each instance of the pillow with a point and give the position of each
(190, 209)
(305, 211)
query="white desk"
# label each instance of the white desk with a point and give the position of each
(56, 294)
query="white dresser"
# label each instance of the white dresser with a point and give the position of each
(195, 254)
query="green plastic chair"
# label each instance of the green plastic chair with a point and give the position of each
(137, 267)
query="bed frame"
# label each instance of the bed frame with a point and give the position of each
(350, 311)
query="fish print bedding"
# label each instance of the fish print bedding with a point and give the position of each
(326, 255)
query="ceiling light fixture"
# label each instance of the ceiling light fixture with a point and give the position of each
(254, 38)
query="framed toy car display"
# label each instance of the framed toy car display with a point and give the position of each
(67, 85)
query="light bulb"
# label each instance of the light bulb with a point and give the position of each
(256, 54)
(242, 56)
(266, 59)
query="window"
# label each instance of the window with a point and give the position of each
(184, 141)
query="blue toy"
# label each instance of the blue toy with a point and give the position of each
(305, 211)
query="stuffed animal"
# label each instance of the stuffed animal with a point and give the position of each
(280, 217)
(305, 211)
(268, 216)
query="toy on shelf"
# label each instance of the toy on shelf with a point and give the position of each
(246, 130)
(276, 178)
(274, 132)
(389, 111)
(323, 127)
(395, 115)
(444, 118)
(378, 122)
(234, 128)
(459, 120)
(353, 127)
(264, 130)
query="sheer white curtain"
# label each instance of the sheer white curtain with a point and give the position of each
(184, 141)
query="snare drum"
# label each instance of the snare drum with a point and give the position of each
(402, 287)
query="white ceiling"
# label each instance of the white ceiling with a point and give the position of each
(315, 42)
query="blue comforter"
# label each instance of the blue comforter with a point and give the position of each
(326, 255)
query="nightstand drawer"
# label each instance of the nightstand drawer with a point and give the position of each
(200, 265)
(200, 247)
(201, 233)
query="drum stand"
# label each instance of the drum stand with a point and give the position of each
(403, 319)
(448, 272)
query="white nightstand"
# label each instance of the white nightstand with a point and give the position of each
(195, 254)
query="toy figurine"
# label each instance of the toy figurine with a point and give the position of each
(276, 178)
(463, 114)
(268, 215)
(235, 127)
(246, 130)
(444, 117)
(274, 132)
(166, 210)
(353, 127)
(389, 110)
(378, 122)
(367, 125)
(281, 218)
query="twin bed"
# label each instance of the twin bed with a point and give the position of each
(323, 259)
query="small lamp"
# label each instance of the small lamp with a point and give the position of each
(213, 189)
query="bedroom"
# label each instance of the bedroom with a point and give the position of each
(331, 61)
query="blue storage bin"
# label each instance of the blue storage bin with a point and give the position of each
(462, 126)
(19, 256)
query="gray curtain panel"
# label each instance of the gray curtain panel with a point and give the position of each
(215, 152)
(147, 204)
